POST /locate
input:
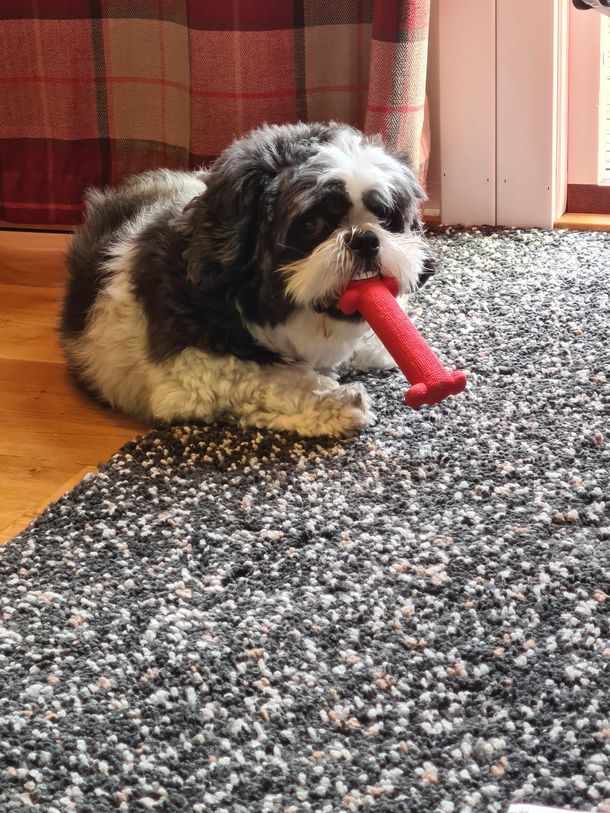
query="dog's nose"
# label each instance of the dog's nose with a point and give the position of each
(366, 243)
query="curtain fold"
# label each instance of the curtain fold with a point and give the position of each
(92, 91)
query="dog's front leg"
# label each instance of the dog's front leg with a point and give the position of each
(289, 397)
(300, 400)
(369, 354)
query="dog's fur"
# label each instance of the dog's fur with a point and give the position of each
(213, 295)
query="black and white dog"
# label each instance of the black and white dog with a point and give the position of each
(213, 295)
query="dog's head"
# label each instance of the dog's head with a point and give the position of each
(292, 214)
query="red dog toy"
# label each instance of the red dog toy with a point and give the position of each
(375, 299)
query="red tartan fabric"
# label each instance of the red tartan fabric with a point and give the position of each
(92, 91)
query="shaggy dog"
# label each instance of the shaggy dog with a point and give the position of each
(212, 295)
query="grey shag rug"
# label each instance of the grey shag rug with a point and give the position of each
(413, 620)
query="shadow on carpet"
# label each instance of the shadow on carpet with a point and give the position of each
(414, 620)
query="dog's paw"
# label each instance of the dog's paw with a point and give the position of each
(341, 413)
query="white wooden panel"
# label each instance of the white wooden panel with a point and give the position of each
(586, 141)
(433, 181)
(561, 152)
(467, 110)
(527, 105)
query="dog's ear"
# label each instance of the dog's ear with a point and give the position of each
(221, 223)
(413, 202)
(410, 175)
(410, 195)
(428, 269)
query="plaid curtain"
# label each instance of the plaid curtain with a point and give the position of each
(92, 91)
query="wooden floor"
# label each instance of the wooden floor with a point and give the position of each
(51, 435)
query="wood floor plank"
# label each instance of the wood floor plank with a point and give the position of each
(45, 419)
(21, 521)
(28, 319)
(25, 482)
(52, 434)
(42, 394)
(33, 258)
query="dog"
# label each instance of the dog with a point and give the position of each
(213, 295)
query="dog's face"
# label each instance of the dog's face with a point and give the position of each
(292, 214)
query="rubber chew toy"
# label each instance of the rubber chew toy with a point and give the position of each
(375, 299)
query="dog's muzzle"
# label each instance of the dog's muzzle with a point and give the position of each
(366, 246)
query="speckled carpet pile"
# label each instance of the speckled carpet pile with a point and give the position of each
(413, 620)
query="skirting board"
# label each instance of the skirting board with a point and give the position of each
(583, 222)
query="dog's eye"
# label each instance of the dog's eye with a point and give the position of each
(313, 226)
(393, 221)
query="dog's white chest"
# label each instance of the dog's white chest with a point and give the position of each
(315, 338)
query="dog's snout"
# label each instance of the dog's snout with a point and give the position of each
(366, 243)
